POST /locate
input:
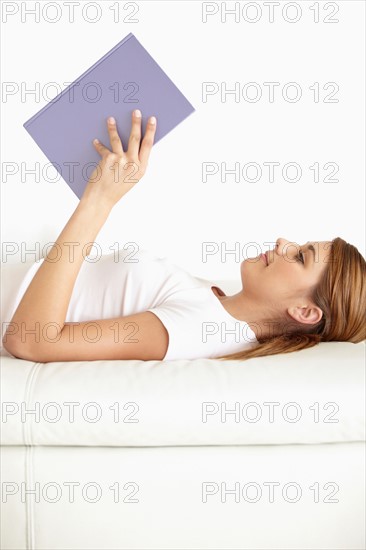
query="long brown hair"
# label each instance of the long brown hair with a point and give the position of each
(340, 294)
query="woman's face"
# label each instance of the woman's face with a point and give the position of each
(290, 276)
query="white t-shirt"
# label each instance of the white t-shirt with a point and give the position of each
(127, 282)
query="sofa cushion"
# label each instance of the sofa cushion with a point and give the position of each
(310, 396)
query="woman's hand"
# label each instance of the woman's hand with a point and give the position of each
(118, 171)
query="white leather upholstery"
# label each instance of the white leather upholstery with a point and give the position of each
(171, 513)
(312, 396)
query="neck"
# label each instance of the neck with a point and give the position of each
(246, 309)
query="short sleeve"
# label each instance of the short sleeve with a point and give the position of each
(184, 327)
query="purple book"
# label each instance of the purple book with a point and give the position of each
(124, 79)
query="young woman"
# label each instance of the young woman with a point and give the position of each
(147, 308)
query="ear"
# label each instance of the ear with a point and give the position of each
(308, 315)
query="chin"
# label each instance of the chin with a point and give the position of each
(250, 262)
(243, 270)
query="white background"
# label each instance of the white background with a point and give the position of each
(171, 211)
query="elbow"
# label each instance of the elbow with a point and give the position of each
(16, 348)
(11, 340)
(8, 343)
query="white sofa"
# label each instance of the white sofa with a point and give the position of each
(147, 455)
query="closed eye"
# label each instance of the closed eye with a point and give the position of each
(300, 257)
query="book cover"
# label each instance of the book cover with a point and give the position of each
(124, 79)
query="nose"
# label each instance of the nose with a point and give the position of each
(280, 243)
(285, 247)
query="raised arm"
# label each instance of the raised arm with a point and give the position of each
(46, 300)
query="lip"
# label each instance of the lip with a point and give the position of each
(264, 258)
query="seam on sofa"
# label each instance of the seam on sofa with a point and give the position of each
(29, 458)
(29, 506)
(28, 393)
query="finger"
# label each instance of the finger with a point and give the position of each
(148, 141)
(114, 138)
(135, 135)
(102, 150)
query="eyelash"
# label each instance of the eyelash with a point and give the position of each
(300, 257)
